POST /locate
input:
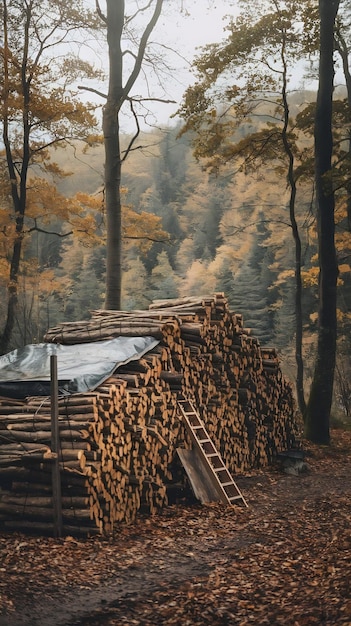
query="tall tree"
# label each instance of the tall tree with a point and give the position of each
(320, 399)
(39, 109)
(342, 45)
(122, 79)
(262, 46)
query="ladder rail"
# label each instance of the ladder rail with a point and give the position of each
(206, 456)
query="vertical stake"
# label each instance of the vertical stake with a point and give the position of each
(55, 447)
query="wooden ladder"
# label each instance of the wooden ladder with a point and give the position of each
(220, 477)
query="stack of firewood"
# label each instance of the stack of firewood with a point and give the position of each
(118, 443)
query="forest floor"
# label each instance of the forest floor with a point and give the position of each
(284, 560)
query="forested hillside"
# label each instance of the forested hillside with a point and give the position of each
(228, 232)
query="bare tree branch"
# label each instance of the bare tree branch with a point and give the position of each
(131, 18)
(96, 91)
(153, 239)
(142, 46)
(99, 12)
(137, 99)
(48, 232)
(127, 151)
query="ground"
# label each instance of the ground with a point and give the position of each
(284, 560)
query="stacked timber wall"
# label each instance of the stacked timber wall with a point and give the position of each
(118, 442)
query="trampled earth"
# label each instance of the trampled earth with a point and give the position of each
(285, 560)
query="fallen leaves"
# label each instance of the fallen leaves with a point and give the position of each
(284, 561)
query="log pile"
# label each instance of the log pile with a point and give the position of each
(118, 442)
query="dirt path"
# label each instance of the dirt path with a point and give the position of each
(284, 560)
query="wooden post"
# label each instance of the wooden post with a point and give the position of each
(55, 445)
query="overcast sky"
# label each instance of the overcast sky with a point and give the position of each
(199, 23)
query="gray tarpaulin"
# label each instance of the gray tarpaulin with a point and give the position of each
(81, 367)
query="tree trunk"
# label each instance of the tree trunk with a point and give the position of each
(341, 47)
(297, 240)
(115, 22)
(118, 93)
(320, 400)
(17, 184)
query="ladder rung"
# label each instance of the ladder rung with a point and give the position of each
(190, 415)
